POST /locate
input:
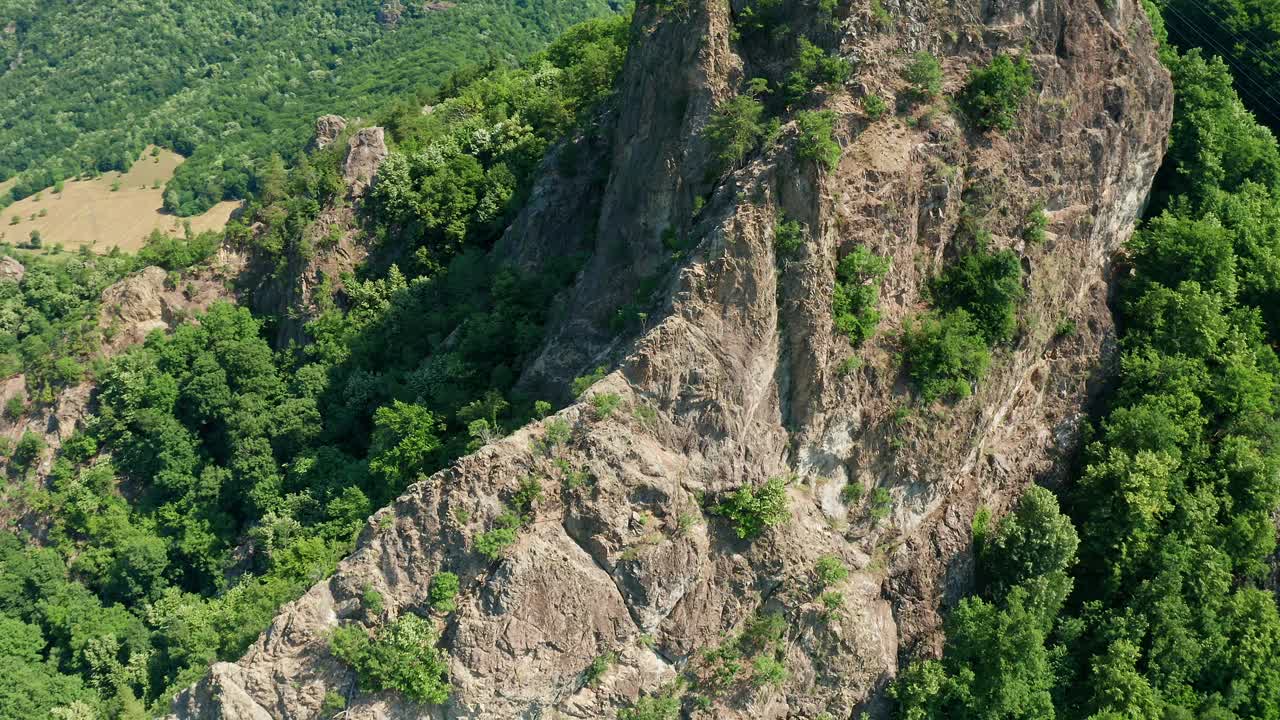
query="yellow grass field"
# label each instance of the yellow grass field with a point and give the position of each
(89, 212)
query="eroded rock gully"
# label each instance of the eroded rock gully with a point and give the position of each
(733, 379)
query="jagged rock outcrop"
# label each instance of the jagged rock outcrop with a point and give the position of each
(736, 376)
(338, 247)
(153, 299)
(11, 270)
(365, 152)
(328, 129)
(390, 13)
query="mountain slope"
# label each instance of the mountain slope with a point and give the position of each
(1151, 591)
(85, 87)
(605, 550)
(200, 479)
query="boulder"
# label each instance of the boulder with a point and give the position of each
(11, 270)
(328, 128)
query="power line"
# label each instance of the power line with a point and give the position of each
(1242, 73)
(1212, 17)
(1226, 55)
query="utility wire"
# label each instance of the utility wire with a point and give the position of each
(1226, 55)
(1212, 17)
(1272, 108)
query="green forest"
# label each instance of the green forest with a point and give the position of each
(1137, 593)
(220, 477)
(85, 87)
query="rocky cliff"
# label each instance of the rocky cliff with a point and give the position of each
(734, 374)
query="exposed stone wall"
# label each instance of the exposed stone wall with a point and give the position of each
(734, 379)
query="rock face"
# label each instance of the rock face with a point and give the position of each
(152, 299)
(736, 376)
(365, 152)
(11, 270)
(328, 128)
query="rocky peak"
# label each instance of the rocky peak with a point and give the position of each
(328, 129)
(737, 375)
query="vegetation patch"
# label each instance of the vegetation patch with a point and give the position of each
(874, 106)
(493, 543)
(605, 403)
(944, 354)
(663, 706)
(754, 658)
(830, 570)
(986, 285)
(977, 297)
(816, 140)
(400, 656)
(443, 592)
(993, 93)
(1033, 229)
(438, 194)
(881, 504)
(752, 510)
(51, 317)
(924, 77)
(813, 67)
(762, 21)
(595, 672)
(583, 383)
(856, 299)
(788, 236)
(736, 129)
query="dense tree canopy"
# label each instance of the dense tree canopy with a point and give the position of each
(49, 321)
(85, 87)
(1245, 33)
(220, 477)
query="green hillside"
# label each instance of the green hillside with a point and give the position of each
(85, 86)
(209, 443)
(220, 477)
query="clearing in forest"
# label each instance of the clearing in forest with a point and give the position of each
(114, 209)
